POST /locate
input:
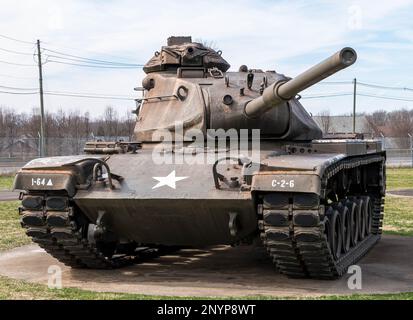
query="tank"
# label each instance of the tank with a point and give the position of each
(219, 158)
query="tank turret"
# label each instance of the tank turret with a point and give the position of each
(285, 90)
(189, 83)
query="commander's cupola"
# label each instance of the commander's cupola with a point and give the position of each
(181, 52)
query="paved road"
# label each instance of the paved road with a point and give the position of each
(401, 193)
(219, 271)
(9, 195)
(399, 162)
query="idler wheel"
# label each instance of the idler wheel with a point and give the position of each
(336, 233)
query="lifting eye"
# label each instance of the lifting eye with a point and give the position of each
(190, 50)
(182, 92)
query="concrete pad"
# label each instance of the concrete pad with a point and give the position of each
(401, 193)
(219, 271)
(9, 195)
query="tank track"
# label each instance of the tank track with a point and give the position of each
(293, 227)
(61, 236)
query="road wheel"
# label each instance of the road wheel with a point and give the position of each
(336, 233)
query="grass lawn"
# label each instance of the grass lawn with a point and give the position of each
(398, 216)
(399, 178)
(6, 182)
(398, 220)
(17, 289)
(11, 233)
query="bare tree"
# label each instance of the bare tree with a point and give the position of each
(129, 125)
(401, 124)
(11, 126)
(377, 121)
(67, 131)
(110, 122)
(325, 120)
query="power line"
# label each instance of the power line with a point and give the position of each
(383, 87)
(73, 95)
(362, 94)
(65, 93)
(383, 97)
(83, 50)
(87, 96)
(19, 93)
(16, 40)
(68, 94)
(317, 94)
(80, 61)
(19, 89)
(17, 64)
(327, 95)
(335, 82)
(15, 77)
(91, 94)
(95, 66)
(16, 52)
(365, 84)
(95, 63)
(87, 60)
(125, 98)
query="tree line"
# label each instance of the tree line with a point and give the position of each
(66, 131)
(111, 125)
(67, 124)
(398, 123)
(394, 124)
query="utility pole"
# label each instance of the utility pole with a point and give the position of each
(42, 124)
(39, 150)
(411, 147)
(354, 104)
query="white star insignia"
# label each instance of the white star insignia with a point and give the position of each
(169, 180)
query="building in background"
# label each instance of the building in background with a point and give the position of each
(342, 125)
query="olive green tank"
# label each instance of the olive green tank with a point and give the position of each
(219, 157)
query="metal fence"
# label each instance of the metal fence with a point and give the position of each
(15, 152)
(399, 151)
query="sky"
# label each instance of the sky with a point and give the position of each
(286, 36)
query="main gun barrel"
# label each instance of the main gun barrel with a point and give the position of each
(282, 91)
